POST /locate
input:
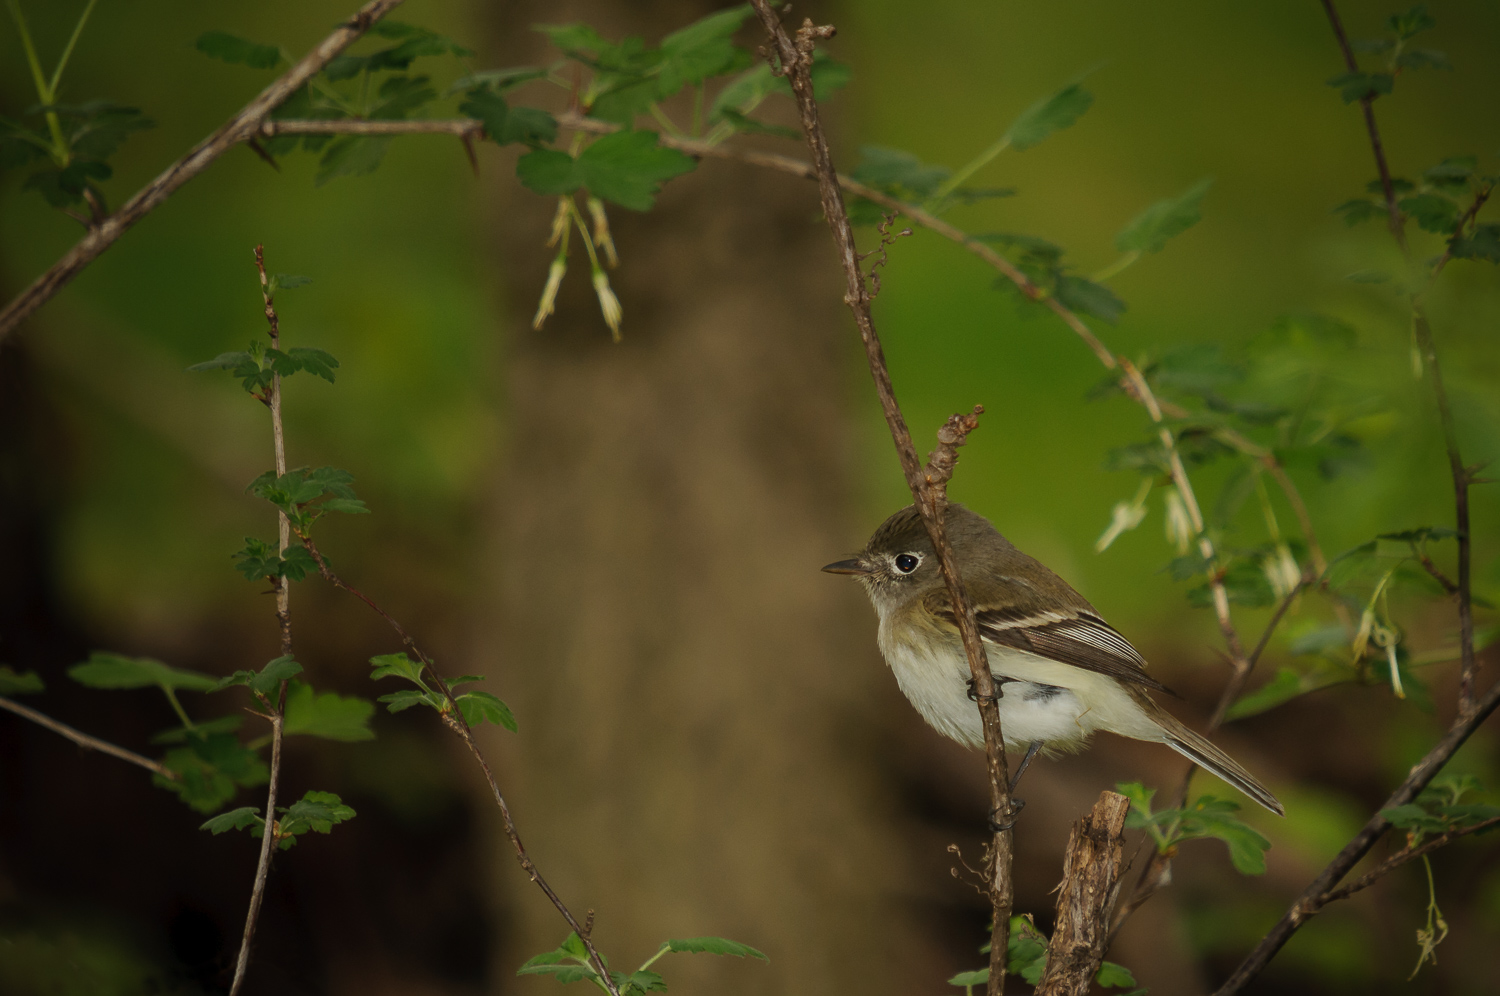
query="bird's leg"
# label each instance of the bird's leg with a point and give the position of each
(1016, 805)
(1031, 750)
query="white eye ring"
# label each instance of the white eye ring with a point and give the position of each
(905, 563)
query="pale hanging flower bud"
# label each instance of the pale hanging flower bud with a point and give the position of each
(549, 293)
(1281, 571)
(608, 303)
(1125, 516)
(602, 238)
(559, 223)
(1179, 527)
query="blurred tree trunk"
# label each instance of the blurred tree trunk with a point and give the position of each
(694, 695)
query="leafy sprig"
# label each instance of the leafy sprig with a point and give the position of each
(1205, 818)
(569, 962)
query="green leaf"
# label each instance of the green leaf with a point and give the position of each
(406, 698)
(1359, 86)
(504, 125)
(1424, 58)
(351, 155)
(1359, 210)
(106, 670)
(222, 45)
(1432, 212)
(1154, 227)
(396, 666)
(498, 80)
(1051, 114)
(1211, 817)
(626, 168)
(899, 173)
(1287, 685)
(1026, 954)
(548, 171)
(314, 361)
(1111, 975)
(23, 683)
(235, 819)
(750, 126)
(318, 812)
(211, 768)
(1412, 22)
(641, 981)
(1089, 298)
(714, 945)
(1482, 243)
(757, 83)
(327, 715)
(700, 50)
(482, 707)
(267, 680)
(978, 977)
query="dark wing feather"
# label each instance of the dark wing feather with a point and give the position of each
(1079, 637)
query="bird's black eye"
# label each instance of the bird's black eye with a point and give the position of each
(907, 562)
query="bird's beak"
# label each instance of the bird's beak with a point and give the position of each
(847, 567)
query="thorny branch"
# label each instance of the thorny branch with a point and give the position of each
(273, 706)
(85, 741)
(453, 717)
(1401, 857)
(1089, 888)
(793, 60)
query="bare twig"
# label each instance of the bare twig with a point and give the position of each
(1308, 903)
(453, 717)
(1401, 857)
(239, 128)
(930, 496)
(85, 741)
(461, 127)
(284, 622)
(1090, 886)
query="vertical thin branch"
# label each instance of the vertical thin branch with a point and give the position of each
(284, 620)
(795, 59)
(1423, 333)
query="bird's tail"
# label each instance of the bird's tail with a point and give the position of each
(1206, 755)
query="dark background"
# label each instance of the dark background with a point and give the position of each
(625, 538)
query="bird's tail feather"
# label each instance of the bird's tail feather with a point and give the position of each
(1206, 755)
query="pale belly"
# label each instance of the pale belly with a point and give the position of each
(1058, 704)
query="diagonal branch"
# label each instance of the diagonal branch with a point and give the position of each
(242, 127)
(928, 492)
(85, 741)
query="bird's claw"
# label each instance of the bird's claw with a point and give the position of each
(996, 696)
(996, 826)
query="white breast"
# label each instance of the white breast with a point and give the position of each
(1058, 704)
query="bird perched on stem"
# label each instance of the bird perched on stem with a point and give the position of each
(1061, 671)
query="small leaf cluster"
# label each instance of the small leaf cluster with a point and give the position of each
(258, 365)
(476, 707)
(1397, 56)
(315, 812)
(68, 161)
(307, 494)
(569, 962)
(1444, 201)
(1440, 809)
(13, 682)
(1026, 956)
(1208, 817)
(208, 761)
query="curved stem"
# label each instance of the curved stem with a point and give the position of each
(85, 741)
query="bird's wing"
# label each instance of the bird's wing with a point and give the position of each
(1076, 636)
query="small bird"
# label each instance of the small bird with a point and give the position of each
(1061, 671)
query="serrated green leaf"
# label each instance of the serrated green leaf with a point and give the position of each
(107, 670)
(396, 666)
(482, 707)
(1359, 210)
(1359, 86)
(503, 124)
(327, 714)
(549, 171)
(1111, 975)
(1048, 115)
(1432, 212)
(318, 812)
(405, 699)
(211, 768)
(1211, 817)
(351, 155)
(1482, 243)
(700, 50)
(1089, 298)
(1410, 23)
(641, 981)
(1026, 953)
(1153, 228)
(628, 168)
(19, 683)
(235, 819)
(314, 361)
(715, 945)
(229, 48)
(898, 172)
(978, 977)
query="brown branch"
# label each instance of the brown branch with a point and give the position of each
(461, 127)
(85, 741)
(1401, 857)
(1307, 904)
(1449, 585)
(239, 128)
(453, 718)
(930, 496)
(1090, 886)
(1423, 333)
(273, 708)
